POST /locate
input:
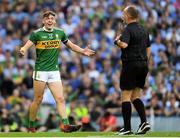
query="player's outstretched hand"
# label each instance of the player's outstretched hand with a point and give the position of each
(88, 52)
(22, 52)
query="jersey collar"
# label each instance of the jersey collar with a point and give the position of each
(47, 30)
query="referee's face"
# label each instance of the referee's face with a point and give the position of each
(125, 16)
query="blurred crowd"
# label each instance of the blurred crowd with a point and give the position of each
(91, 85)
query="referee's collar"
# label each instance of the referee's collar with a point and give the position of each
(47, 30)
(133, 23)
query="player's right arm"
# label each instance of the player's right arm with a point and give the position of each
(24, 49)
(29, 43)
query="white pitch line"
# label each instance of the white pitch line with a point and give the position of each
(94, 137)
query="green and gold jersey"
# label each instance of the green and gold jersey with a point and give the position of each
(47, 46)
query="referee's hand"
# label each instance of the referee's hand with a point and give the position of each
(118, 37)
(117, 40)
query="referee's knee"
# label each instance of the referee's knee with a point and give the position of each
(136, 94)
(126, 96)
(134, 98)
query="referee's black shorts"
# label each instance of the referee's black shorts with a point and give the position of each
(133, 75)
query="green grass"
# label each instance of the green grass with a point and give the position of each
(86, 134)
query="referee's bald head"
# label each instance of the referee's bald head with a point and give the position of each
(132, 12)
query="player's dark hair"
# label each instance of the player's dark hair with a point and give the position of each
(133, 12)
(47, 13)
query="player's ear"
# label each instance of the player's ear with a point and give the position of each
(43, 21)
(55, 21)
(55, 18)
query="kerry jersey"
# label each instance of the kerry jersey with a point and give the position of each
(47, 46)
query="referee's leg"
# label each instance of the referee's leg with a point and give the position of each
(139, 106)
(127, 84)
(126, 108)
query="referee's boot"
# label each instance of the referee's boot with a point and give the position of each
(143, 128)
(125, 132)
(69, 128)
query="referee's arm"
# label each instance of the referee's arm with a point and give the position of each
(122, 41)
(148, 49)
(120, 44)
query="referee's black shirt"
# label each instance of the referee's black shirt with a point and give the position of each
(137, 39)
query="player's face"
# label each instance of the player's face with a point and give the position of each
(49, 22)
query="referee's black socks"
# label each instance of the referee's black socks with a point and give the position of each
(139, 106)
(126, 113)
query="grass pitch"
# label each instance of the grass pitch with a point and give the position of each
(86, 134)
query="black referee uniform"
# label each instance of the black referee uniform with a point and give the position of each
(134, 57)
(134, 43)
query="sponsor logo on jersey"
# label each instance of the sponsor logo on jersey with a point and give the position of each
(49, 44)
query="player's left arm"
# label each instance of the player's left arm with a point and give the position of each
(86, 51)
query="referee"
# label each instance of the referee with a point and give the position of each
(135, 45)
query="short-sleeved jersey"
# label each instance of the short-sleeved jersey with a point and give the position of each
(47, 46)
(137, 39)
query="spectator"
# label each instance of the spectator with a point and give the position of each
(108, 122)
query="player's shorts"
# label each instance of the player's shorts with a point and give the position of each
(133, 75)
(47, 76)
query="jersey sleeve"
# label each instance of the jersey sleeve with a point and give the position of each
(125, 37)
(33, 37)
(64, 38)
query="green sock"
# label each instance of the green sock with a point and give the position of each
(65, 121)
(31, 124)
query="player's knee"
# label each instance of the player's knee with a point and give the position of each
(60, 99)
(38, 100)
